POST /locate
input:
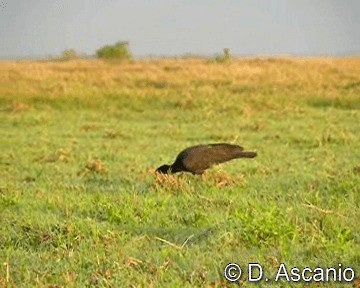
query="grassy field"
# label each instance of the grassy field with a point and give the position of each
(80, 205)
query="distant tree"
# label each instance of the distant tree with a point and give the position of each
(225, 57)
(119, 50)
(70, 54)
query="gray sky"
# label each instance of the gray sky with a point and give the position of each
(175, 27)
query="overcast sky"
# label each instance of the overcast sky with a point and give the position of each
(175, 27)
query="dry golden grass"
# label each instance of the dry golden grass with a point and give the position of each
(59, 79)
(95, 166)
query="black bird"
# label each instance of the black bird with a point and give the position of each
(197, 159)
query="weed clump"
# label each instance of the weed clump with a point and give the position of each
(94, 167)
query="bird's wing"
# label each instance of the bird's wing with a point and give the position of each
(199, 158)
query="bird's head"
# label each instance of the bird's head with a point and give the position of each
(164, 169)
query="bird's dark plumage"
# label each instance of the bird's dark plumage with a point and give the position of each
(197, 159)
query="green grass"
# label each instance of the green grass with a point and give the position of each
(80, 205)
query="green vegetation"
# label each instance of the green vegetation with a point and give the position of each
(226, 57)
(80, 205)
(70, 54)
(118, 51)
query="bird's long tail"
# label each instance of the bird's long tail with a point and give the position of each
(244, 154)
